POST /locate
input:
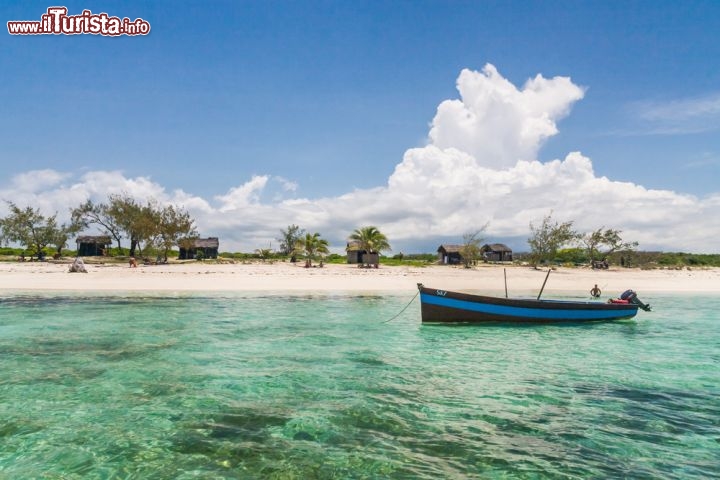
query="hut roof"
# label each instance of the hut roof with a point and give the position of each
(354, 245)
(210, 242)
(96, 239)
(450, 248)
(496, 247)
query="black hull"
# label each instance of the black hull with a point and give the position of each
(441, 306)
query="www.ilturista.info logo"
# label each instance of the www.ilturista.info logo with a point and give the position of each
(57, 22)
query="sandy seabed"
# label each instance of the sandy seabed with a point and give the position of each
(287, 277)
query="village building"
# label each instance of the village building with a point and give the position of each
(496, 252)
(207, 246)
(93, 246)
(450, 254)
(357, 254)
(354, 251)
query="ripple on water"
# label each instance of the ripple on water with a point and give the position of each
(265, 386)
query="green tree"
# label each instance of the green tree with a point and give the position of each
(547, 238)
(288, 241)
(311, 245)
(34, 231)
(602, 243)
(59, 235)
(140, 223)
(127, 214)
(90, 213)
(173, 225)
(472, 243)
(148, 227)
(371, 239)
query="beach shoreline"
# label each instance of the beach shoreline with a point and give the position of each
(288, 277)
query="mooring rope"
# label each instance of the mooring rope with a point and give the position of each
(401, 311)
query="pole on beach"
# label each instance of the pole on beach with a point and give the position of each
(505, 275)
(543, 287)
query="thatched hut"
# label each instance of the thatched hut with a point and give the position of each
(496, 252)
(357, 254)
(207, 246)
(450, 254)
(93, 246)
(355, 251)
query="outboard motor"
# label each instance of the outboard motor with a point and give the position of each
(631, 297)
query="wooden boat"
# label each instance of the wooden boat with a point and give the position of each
(443, 306)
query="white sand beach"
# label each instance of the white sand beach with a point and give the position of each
(283, 276)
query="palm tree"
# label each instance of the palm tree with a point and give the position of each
(310, 245)
(371, 239)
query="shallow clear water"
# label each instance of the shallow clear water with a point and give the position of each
(253, 386)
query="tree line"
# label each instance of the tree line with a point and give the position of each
(550, 236)
(121, 217)
(152, 225)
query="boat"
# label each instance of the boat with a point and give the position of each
(444, 306)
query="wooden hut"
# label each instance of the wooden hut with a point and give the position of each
(357, 254)
(496, 252)
(93, 246)
(355, 251)
(450, 254)
(371, 259)
(208, 246)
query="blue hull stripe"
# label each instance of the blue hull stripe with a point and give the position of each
(528, 313)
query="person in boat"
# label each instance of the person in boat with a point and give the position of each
(595, 291)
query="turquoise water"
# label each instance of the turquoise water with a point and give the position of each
(269, 386)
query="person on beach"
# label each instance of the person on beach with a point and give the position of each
(595, 291)
(133, 262)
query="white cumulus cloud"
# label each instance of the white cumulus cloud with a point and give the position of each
(244, 195)
(499, 124)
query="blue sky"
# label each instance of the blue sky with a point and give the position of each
(324, 99)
